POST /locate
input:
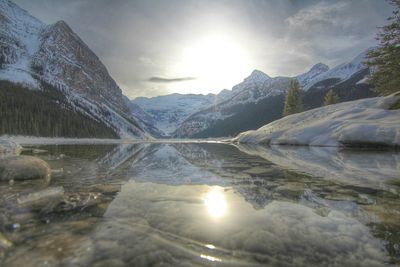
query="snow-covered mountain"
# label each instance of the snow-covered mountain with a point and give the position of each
(244, 102)
(316, 71)
(341, 72)
(168, 112)
(32, 52)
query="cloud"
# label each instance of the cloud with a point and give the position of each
(173, 80)
(321, 16)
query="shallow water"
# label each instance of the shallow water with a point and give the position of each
(204, 204)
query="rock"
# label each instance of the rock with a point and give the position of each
(108, 189)
(43, 201)
(9, 148)
(23, 168)
(42, 195)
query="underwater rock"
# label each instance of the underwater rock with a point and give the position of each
(43, 201)
(4, 242)
(23, 168)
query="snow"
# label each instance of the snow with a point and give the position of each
(169, 111)
(343, 71)
(314, 72)
(24, 31)
(361, 122)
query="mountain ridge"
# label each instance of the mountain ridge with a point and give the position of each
(32, 52)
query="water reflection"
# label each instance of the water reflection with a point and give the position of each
(202, 204)
(215, 202)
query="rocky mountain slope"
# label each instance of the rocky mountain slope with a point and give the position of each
(33, 53)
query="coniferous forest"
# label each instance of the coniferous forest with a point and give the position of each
(44, 113)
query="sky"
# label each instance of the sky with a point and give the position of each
(160, 47)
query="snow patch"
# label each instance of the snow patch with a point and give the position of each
(361, 122)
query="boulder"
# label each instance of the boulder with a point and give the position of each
(23, 168)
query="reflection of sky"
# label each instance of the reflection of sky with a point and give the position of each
(215, 202)
(184, 217)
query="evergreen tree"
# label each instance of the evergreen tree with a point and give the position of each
(385, 60)
(294, 99)
(331, 98)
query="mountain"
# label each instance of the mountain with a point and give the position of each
(33, 54)
(256, 102)
(308, 77)
(168, 112)
(341, 72)
(242, 96)
(144, 120)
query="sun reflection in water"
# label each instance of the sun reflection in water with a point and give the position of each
(215, 202)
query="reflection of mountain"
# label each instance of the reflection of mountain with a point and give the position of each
(120, 155)
(164, 164)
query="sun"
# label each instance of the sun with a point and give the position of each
(217, 61)
(215, 202)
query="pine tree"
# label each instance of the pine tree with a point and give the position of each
(331, 98)
(385, 60)
(294, 99)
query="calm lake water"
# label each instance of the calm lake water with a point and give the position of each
(204, 204)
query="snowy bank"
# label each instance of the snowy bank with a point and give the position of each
(365, 122)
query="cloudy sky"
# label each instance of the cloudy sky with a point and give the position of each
(157, 47)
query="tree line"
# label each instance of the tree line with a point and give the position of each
(44, 112)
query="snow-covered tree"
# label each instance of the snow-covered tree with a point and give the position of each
(385, 60)
(293, 99)
(331, 98)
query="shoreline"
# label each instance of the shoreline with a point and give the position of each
(34, 140)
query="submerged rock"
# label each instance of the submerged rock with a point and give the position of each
(23, 168)
(43, 201)
(4, 242)
(9, 148)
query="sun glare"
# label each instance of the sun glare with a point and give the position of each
(217, 61)
(215, 202)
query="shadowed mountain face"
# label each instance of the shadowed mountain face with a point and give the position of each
(199, 203)
(33, 52)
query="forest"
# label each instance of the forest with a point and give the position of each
(44, 112)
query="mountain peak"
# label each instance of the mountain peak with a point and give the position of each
(319, 66)
(316, 70)
(259, 75)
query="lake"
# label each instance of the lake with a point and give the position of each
(204, 204)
